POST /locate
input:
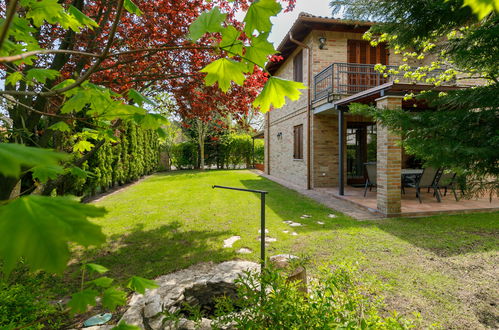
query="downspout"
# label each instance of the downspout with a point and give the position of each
(309, 106)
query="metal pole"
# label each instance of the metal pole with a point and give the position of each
(262, 218)
(341, 139)
(262, 230)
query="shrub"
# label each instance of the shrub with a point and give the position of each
(20, 305)
(185, 155)
(336, 299)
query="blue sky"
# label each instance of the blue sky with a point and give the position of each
(284, 21)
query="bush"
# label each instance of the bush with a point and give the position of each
(336, 299)
(185, 155)
(20, 305)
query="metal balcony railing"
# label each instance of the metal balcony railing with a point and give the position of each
(349, 78)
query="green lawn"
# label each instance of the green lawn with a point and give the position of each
(443, 267)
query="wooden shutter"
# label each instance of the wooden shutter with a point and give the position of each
(298, 142)
(361, 52)
(298, 67)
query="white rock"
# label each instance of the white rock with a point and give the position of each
(305, 216)
(332, 216)
(266, 231)
(244, 251)
(295, 224)
(320, 222)
(269, 239)
(294, 233)
(231, 240)
(285, 231)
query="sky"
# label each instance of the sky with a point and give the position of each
(284, 21)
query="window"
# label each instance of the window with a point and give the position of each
(298, 67)
(298, 142)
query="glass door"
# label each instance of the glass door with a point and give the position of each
(361, 148)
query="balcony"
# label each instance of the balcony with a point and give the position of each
(342, 79)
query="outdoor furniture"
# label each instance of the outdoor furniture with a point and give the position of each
(410, 177)
(448, 180)
(428, 179)
(370, 177)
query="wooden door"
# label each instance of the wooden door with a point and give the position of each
(362, 77)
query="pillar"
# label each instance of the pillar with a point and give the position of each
(389, 162)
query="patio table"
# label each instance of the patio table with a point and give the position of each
(409, 175)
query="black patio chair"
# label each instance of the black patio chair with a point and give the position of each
(428, 179)
(371, 178)
(448, 181)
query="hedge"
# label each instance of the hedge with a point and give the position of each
(134, 154)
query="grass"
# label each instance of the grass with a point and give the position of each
(443, 267)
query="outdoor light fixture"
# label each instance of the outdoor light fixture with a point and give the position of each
(322, 42)
(279, 135)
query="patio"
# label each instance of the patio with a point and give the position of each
(410, 205)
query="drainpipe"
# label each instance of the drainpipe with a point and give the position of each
(309, 106)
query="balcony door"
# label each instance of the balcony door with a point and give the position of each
(361, 58)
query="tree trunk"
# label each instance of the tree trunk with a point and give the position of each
(201, 137)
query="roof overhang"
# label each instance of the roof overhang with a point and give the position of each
(306, 23)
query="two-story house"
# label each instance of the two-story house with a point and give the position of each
(314, 142)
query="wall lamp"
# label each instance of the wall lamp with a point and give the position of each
(322, 42)
(279, 135)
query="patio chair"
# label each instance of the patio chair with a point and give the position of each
(448, 181)
(428, 179)
(371, 177)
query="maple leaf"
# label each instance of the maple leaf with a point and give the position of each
(80, 301)
(224, 71)
(41, 75)
(140, 284)
(258, 16)
(38, 229)
(230, 41)
(132, 8)
(210, 21)
(260, 50)
(275, 91)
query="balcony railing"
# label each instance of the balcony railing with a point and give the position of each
(340, 79)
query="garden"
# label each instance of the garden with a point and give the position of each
(118, 117)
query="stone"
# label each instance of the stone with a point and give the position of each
(244, 250)
(320, 222)
(294, 233)
(198, 284)
(269, 239)
(297, 273)
(305, 216)
(285, 231)
(295, 224)
(332, 216)
(231, 240)
(260, 231)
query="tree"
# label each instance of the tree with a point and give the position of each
(461, 133)
(69, 70)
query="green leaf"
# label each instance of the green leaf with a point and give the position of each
(82, 146)
(139, 98)
(140, 284)
(80, 173)
(260, 50)
(13, 156)
(258, 16)
(112, 298)
(13, 78)
(125, 326)
(103, 282)
(38, 229)
(96, 268)
(150, 120)
(80, 301)
(81, 17)
(224, 71)
(210, 21)
(60, 126)
(43, 10)
(41, 75)
(132, 8)
(482, 7)
(230, 41)
(44, 173)
(275, 91)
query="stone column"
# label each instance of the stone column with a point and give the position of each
(389, 162)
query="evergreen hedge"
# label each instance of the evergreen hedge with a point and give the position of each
(135, 153)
